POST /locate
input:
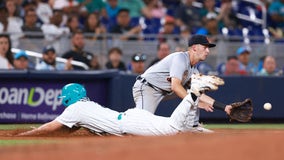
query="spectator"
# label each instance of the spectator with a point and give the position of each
(243, 54)
(19, 8)
(21, 61)
(54, 32)
(210, 29)
(92, 6)
(6, 56)
(172, 3)
(162, 52)
(136, 8)
(12, 22)
(156, 8)
(31, 26)
(227, 15)
(168, 30)
(3, 20)
(232, 67)
(123, 26)
(276, 13)
(269, 67)
(112, 8)
(77, 52)
(93, 28)
(28, 5)
(67, 6)
(73, 23)
(49, 63)
(43, 11)
(95, 64)
(109, 19)
(208, 7)
(115, 59)
(13, 15)
(188, 15)
(138, 63)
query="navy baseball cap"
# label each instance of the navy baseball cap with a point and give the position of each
(200, 39)
(20, 54)
(47, 49)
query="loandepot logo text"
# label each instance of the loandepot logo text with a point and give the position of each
(32, 97)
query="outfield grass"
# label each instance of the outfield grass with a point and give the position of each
(17, 126)
(23, 142)
(13, 142)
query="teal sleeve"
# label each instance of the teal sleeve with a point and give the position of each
(274, 8)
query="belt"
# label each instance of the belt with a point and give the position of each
(143, 80)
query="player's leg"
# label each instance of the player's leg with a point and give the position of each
(186, 116)
(145, 97)
(141, 122)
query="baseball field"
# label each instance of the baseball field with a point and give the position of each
(230, 141)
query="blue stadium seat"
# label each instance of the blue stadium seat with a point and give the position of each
(251, 10)
(204, 68)
(221, 68)
(235, 32)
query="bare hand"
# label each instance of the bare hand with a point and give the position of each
(228, 109)
(207, 107)
(136, 29)
(68, 65)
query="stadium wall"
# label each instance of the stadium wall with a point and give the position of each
(31, 96)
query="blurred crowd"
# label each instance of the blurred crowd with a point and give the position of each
(130, 20)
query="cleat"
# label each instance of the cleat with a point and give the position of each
(200, 129)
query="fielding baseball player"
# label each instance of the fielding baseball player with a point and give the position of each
(81, 112)
(172, 75)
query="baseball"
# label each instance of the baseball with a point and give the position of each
(267, 106)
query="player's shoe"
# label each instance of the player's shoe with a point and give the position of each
(200, 129)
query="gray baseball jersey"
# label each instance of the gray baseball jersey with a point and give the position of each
(174, 65)
(149, 90)
(97, 118)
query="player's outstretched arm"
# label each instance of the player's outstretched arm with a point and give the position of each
(48, 129)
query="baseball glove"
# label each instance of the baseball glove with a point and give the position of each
(241, 111)
(201, 83)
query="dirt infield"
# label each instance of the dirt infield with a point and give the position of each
(229, 144)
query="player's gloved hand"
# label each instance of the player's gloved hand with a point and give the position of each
(241, 111)
(201, 83)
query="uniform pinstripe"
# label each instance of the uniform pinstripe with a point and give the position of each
(97, 118)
